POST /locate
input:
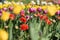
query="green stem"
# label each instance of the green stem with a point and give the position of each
(10, 30)
(45, 32)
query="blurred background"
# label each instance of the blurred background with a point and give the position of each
(26, 1)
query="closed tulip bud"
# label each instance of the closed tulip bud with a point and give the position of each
(45, 11)
(5, 9)
(39, 9)
(32, 10)
(27, 17)
(10, 8)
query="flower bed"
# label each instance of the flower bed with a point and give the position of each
(29, 21)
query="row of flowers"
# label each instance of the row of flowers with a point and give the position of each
(27, 17)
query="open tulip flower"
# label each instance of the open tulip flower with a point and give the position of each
(20, 21)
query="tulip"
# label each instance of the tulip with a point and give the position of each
(52, 10)
(32, 10)
(12, 16)
(58, 12)
(45, 11)
(24, 27)
(3, 35)
(27, 17)
(22, 13)
(17, 10)
(39, 9)
(5, 9)
(5, 16)
(48, 21)
(10, 8)
(23, 19)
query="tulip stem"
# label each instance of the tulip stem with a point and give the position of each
(10, 30)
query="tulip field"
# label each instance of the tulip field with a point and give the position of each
(30, 21)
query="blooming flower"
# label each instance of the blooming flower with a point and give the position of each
(48, 21)
(23, 19)
(24, 27)
(45, 17)
(22, 13)
(12, 16)
(44, 7)
(5, 16)
(17, 10)
(41, 17)
(3, 35)
(52, 10)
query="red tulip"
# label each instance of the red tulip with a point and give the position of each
(45, 17)
(24, 27)
(12, 16)
(23, 19)
(22, 13)
(41, 17)
(48, 21)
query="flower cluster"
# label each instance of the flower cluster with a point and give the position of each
(26, 18)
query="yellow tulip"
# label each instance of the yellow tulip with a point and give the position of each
(44, 7)
(35, 6)
(5, 16)
(17, 10)
(52, 10)
(3, 35)
(23, 6)
(5, 5)
(28, 6)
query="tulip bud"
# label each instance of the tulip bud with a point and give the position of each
(39, 9)
(45, 11)
(10, 8)
(32, 10)
(5, 9)
(27, 17)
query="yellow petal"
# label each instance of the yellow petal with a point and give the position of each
(3, 35)
(5, 16)
(44, 7)
(17, 10)
(52, 10)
